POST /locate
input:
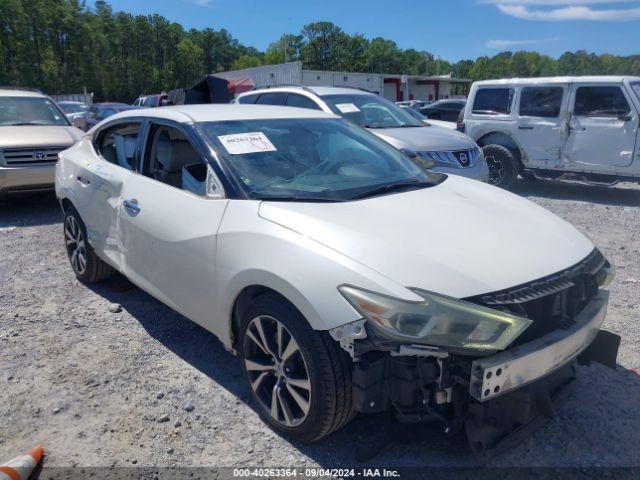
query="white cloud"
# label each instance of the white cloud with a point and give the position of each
(554, 3)
(501, 44)
(202, 3)
(573, 12)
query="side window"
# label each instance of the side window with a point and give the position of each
(295, 100)
(493, 101)
(248, 99)
(273, 98)
(117, 144)
(171, 159)
(541, 102)
(600, 102)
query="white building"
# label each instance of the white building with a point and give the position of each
(394, 87)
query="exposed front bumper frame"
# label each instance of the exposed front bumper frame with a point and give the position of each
(514, 368)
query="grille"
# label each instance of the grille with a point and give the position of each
(551, 302)
(15, 157)
(460, 158)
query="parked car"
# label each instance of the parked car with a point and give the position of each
(448, 150)
(427, 121)
(415, 104)
(447, 110)
(73, 109)
(565, 128)
(150, 101)
(100, 111)
(345, 277)
(33, 131)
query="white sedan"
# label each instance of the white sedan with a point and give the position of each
(347, 278)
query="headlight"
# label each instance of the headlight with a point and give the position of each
(437, 320)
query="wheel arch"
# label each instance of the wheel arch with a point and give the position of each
(504, 139)
(242, 303)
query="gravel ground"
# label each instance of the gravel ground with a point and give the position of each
(139, 385)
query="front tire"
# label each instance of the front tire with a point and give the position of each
(299, 378)
(503, 165)
(87, 266)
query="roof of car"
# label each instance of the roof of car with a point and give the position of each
(70, 102)
(222, 112)
(542, 80)
(18, 92)
(320, 91)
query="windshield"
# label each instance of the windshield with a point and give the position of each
(636, 88)
(370, 111)
(30, 111)
(311, 159)
(414, 113)
(73, 107)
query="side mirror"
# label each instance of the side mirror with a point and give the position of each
(80, 122)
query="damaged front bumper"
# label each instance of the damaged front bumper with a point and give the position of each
(496, 399)
(514, 368)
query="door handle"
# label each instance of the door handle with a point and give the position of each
(131, 207)
(83, 181)
(525, 127)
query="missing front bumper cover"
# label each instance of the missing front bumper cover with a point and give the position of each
(514, 368)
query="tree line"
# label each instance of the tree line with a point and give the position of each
(63, 46)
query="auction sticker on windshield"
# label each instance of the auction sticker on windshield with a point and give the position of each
(347, 107)
(251, 142)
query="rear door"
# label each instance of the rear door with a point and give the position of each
(603, 126)
(100, 181)
(169, 223)
(541, 126)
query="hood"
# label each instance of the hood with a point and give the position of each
(39, 136)
(427, 138)
(460, 238)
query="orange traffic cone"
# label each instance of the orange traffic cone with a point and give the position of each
(21, 467)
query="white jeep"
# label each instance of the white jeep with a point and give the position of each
(563, 128)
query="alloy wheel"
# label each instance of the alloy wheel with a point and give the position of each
(76, 246)
(277, 371)
(496, 169)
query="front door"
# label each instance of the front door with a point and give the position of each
(602, 128)
(169, 225)
(541, 126)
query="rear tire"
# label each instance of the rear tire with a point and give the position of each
(503, 165)
(87, 266)
(317, 372)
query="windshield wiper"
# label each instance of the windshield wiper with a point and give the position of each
(296, 198)
(390, 188)
(23, 124)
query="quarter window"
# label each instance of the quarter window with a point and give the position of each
(636, 88)
(295, 100)
(493, 101)
(117, 144)
(541, 102)
(600, 102)
(171, 159)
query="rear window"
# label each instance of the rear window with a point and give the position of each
(493, 101)
(600, 102)
(541, 101)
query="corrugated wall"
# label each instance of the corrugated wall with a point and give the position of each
(369, 81)
(269, 75)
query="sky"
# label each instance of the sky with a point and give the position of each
(453, 29)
